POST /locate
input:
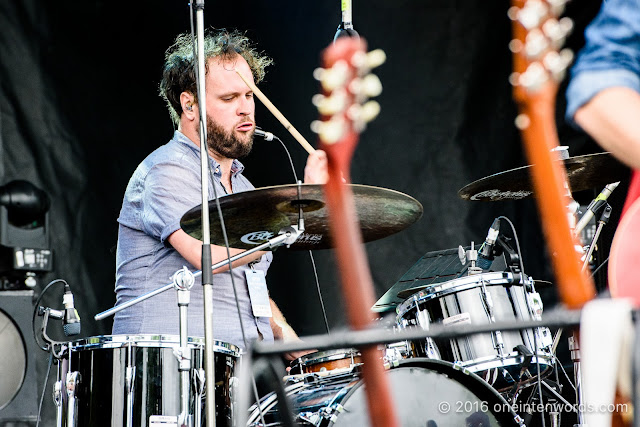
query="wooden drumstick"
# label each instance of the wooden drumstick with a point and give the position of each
(278, 115)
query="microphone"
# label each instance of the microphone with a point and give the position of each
(595, 206)
(345, 29)
(485, 254)
(268, 136)
(71, 319)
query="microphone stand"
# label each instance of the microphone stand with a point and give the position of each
(207, 277)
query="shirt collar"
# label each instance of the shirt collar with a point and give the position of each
(236, 166)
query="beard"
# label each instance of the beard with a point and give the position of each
(228, 144)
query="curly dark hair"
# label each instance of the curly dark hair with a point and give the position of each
(179, 75)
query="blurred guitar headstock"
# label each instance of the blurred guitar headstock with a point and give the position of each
(344, 104)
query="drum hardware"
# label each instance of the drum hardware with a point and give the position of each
(197, 382)
(58, 400)
(470, 256)
(73, 379)
(129, 377)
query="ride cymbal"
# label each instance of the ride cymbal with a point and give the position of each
(584, 172)
(253, 217)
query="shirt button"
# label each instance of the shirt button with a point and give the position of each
(217, 170)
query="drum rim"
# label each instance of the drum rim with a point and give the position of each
(328, 355)
(148, 340)
(464, 283)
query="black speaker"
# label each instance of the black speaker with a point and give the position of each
(18, 384)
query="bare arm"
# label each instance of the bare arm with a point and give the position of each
(282, 331)
(191, 250)
(612, 118)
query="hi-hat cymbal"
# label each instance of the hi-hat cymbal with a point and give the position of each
(253, 217)
(585, 172)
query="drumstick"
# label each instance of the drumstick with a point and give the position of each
(278, 115)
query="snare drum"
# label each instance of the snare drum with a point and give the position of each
(121, 380)
(322, 361)
(480, 299)
(425, 393)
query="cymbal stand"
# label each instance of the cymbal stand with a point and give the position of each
(183, 281)
(287, 236)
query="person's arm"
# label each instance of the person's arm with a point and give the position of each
(283, 331)
(191, 250)
(612, 118)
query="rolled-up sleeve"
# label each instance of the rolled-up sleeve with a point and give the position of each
(610, 57)
(170, 191)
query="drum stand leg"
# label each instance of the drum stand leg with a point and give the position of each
(129, 377)
(183, 281)
(73, 379)
(57, 395)
(575, 357)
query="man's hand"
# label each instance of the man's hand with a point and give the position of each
(282, 331)
(316, 171)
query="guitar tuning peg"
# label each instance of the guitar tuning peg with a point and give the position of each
(531, 15)
(535, 44)
(367, 61)
(362, 114)
(329, 132)
(333, 77)
(331, 105)
(557, 6)
(376, 58)
(534, 77)
(369, 86)
(370, 111)
(557, 63)
(515, 46)
(557, 31)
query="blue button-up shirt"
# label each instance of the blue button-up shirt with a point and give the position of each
(611, 55)
(162, 189)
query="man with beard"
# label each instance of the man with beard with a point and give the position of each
(151, 244)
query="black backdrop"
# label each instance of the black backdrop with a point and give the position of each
(79, 111)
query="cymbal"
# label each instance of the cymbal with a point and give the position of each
(406, 293)
(253, 217)
(584, 172)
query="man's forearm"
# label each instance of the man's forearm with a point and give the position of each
(612, 118)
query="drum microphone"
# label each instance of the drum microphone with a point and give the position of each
(268, 136)
(595, 205)
(485, 254)
(71, 319)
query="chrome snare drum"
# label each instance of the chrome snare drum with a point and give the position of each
(481, 299)
(133, 380)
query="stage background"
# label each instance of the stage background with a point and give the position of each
(80, 109)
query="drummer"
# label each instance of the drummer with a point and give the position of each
(151, 244)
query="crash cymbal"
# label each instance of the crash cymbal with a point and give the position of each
(252, 217)
(406, 293)
(591, 171)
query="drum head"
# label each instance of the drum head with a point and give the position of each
(432, 393)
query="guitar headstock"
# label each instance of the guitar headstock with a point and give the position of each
(344, 104)
(539, 34)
